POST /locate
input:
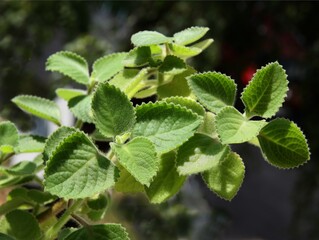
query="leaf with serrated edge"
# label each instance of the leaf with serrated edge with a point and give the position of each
(190, 35)
(146, 38)
(214, 90)
(203, 44)
(55, 139)
(8, 134)
(21, 225)
(208, 127)
(127, 183)
(76, 169)
(139, 158)
(69, 64)
(21, 168)
(112, 110)
(184, 52)
(101, 232)
(40, 107)
(199, 153)
(138, 57)
(68, 93)
(188, 103)
(80, 106)
(167, 181)
(233, 127)
(283, 144)
(106, 67)
(225, 178)
(167, 125)
(266, 91)
(172, 65)
(30, 143)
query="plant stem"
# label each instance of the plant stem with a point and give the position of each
(80, 220)
(78, 124)
(53, 231)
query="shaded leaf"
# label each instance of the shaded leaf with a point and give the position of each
(80, 106)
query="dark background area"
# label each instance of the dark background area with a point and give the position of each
(272, 203)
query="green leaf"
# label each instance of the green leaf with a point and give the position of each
(172, 65)
(283, 144)
(100, 232)
(188, 103)
(106, 67)
(208, 127)
(177, 86)
(69, 64)
(39, 107)
(11, 180)
(190, 35)
(77, 169)
(266, 91)
(21, 168)
(55, 139)
(127, 183)
(199, 153)
(214, 90)
(184, 52)
(203, 44)
(226, 177)
(8, 136)
(40, 196)
(139, 158)
(97, 207)
(30, 143)
(167, 125)
(5, 237)
(146, 38)
(68, 93)
(112, 110)
(233, 127)
(80, 106)
(21, 225)
(65, 232)
(148, 92)
(167, 181)
(138, 57)
(129, 81)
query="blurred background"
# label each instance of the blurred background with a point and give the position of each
(272, 204)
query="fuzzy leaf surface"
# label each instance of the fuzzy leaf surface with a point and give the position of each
(172, 65)
(190, 35)
(106, 67)
(77, 169)
(188, 103)
(8, 134)
(203, 44)
(214, 90)
(138, 57)
(167, 181)
(21, 168)
(208, 127)
(30, 143)
(112, 110)
(139, 158)
(233, 127)
(283, 144)
(167, 125)
(146, 38)
(226, 177)
(127, 183)
(199, 153)
(100, 232)
(40, 107)
(266, 91)
(69, 64)
(184, 52)
(68, 93)
(80, 106)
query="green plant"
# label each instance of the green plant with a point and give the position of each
(153, 147)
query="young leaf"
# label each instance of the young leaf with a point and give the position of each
(112, 110)
(146, 38)
(12, 180)
(39, 107)
(106, 67)
(184, 52)
(233, 127)
(21, 225)
(68, 93)
(139, 158)
(190, 35)
(266, 91)
(30, 143)
(214, 90)
(77, 169)
(226, 177)
(167, 181)
(138, 57)
(283, 144)
(69, 64)
(199, 153)
(167, 125)
(172, 65)
(80, 106)
(101, 232)
(177, 86)
(188, 103)
(8, 134)
(208, 127)
(127, 183)
(55, 139)
(203, 44)
(21, 168)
